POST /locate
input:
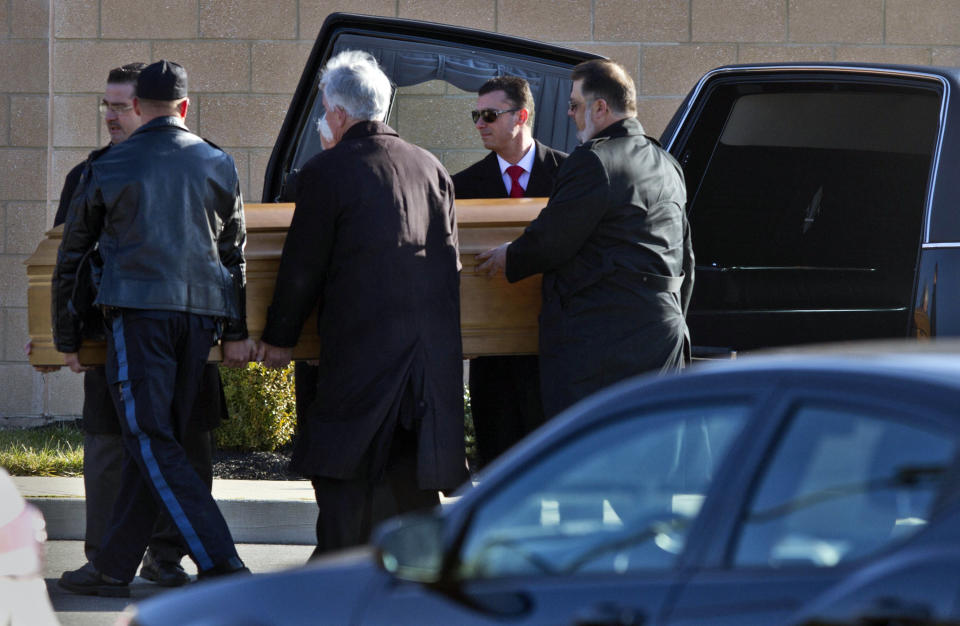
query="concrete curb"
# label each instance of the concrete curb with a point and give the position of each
(257, 511)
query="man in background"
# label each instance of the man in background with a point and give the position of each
(505, 390)
(613, 245)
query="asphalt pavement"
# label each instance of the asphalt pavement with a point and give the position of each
(74, 610)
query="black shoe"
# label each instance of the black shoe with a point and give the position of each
(88, 581)
(225, 568)
(164, 573)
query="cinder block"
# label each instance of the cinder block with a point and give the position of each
(83, 66)
(76, 19)
(211, 65)
(277, 65)
(248, 19)
(459, 160)
(64, 393)
(193, 117)
(642, 20)
(221, 119)
(739, 20)
(25, 224)
(148, 19)
(13, 280)
(241, 158)
(673, 70)
(627, 55)
(259, 158)
(655, 113)
(437, 123)
(851, 21)
(782, 54)
(63, 162)
(545, 20)
(312, 14)
(473, 13)
(4, 121)
(29, 18)
(432, 88)
(23, 66)
(22, 393)
(28, 121)
(949, 57)
(923, 22)
(14, 334)
(76, 121)
(24, 176)
(907, 55)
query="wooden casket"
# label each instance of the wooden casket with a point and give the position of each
(495, 316)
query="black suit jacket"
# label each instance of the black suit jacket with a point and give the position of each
(505, 390)
(484, 180)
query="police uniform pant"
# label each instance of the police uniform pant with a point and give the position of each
(154, 365)
(103, 454)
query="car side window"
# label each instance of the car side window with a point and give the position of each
(843, 483)
(618, 498)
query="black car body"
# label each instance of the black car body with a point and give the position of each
(821, 202)
(820, 196)
(734, 493)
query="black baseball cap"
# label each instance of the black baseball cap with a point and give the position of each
(163, 80)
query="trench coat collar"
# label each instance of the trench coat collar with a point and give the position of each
(367, 129)
(623, 128)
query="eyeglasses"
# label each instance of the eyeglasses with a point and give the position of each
(489, 115)
(114, 106)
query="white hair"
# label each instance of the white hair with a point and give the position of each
(353, 81)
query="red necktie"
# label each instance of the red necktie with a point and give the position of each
(515, 172)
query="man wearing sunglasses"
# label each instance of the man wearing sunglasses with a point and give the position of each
(102, 443)
(505, 390)
(613, 245)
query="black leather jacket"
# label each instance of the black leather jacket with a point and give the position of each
(165, 207)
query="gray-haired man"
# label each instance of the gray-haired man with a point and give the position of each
(374, 241)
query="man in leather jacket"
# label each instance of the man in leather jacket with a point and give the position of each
(613, 245)
(103, 451)
(165, 209)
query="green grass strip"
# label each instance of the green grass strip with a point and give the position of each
(54, 450)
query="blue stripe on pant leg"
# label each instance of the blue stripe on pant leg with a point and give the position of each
(204, 561)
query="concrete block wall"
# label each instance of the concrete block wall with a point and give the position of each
(245, 56)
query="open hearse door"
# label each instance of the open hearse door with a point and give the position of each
(822, 198)
(436, 70)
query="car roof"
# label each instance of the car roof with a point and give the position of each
(929, 363)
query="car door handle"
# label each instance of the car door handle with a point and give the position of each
(609, 614)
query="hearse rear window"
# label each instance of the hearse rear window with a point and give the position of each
(806, 207)
(436, 87)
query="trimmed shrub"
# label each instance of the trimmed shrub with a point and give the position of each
(261, 405)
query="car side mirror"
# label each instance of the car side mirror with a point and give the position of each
(410, 547)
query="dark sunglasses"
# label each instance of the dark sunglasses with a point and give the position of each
(489, 115)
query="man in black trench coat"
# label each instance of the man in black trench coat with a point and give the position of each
(613, 245)
(374, 240)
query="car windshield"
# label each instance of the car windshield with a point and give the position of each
(616, 499)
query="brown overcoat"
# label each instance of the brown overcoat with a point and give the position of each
(374, 241)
